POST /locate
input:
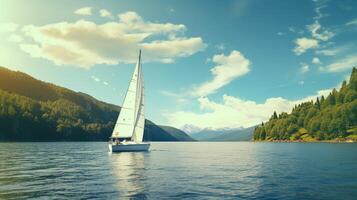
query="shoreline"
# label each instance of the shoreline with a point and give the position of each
(315, 141)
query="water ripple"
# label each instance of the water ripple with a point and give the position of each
(211, 170)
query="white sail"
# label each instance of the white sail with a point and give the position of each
(129, 114)
(140, 123)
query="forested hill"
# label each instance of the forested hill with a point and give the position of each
(33, 110)
(330, 118)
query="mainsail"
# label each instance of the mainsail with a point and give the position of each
(131, 120)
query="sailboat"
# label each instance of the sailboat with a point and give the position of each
(128, 131)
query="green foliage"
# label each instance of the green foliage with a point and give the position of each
(325, 119)
(32, 110)
(23, 118)
(352, 137)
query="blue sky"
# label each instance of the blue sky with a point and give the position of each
(207, 64)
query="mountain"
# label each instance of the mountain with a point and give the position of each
(244, 134)
(204, 135)
(177, 133)
(331, 118)
(33, 110)
(154, 132)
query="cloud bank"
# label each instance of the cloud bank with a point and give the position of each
(85, 43)
(233, 112)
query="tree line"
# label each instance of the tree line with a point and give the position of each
(326, 118)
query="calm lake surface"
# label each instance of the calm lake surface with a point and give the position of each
(196, 170)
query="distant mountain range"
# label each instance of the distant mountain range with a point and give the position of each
(33, 110)
(244, 134)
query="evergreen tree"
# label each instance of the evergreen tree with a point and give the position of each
(274, 116)
(317, 104)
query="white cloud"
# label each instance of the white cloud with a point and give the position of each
(220, 47)
(167, 50)
(301, 82)
(346, 63)
(320, 6)
(303, 44)
(318, 32)
(15, 38)
(95, 78)
(316, 61)
(292, 29)
(280, 33)
(304, 68)
(85, 43)
(353, 22)
(105, 13)
(8, 27)
(84, 11)
(131, 22)
(315, 28)
(227, 69)
(331, 51)
(179, 98)
(233, 112)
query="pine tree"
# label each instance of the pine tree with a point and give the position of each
(274, 116)
(317, 104)
(322, 99)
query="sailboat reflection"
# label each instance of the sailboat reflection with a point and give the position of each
(129, 171)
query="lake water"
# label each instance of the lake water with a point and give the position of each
(196, 170)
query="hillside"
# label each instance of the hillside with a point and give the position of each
(33, 110)
(330, 118)
(177, 133)
(245, 134)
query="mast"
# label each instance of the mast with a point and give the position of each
(140, 123)
(140, 117)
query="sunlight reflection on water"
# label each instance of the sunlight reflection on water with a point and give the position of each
(193, 170)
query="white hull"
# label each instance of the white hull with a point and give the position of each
(129, 147)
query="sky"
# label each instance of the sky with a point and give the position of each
(207, 64)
